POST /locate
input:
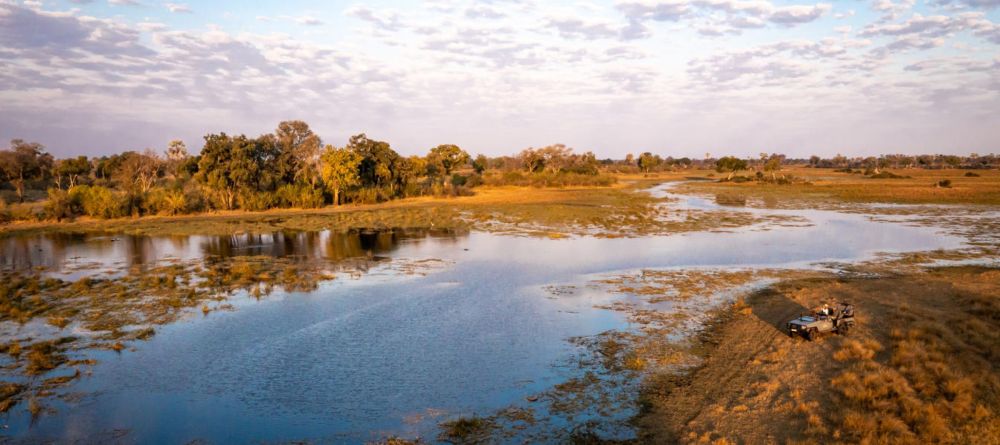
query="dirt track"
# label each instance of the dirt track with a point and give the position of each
(922, 366)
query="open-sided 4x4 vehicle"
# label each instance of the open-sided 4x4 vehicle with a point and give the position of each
(839, 319)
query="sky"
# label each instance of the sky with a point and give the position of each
(675, 77)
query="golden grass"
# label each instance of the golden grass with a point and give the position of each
(918, 187)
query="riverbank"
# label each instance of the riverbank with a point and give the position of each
(822, 188)
(617, 210)
(622, 210)
(920, 367)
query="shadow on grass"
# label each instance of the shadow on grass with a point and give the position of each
(775, 308)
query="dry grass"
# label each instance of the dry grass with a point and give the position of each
(826, 185)
(922, 366)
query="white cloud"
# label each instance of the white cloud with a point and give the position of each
(178, 8)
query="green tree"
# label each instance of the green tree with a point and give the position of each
(730, 164)
(446, 158)
(72, 169)
(299, 156)
(379, 163)
(773, 164)
(24, 161)
(227, 167)
(339, 169)
(480, 163)
(648, 161)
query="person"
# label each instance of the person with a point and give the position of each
(825, 311)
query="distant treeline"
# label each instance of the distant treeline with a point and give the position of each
(288, 168)
(291, 167)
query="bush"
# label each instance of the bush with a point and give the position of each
(301, 196)
(474, 181)
(61, 205)
(888, 175)
(548, 179)
(945, 183)
(257, 201)
(165, 201)
(971, 175)
(370, 195)
(5, 216)
(99, 202)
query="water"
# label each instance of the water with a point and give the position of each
(362, 358)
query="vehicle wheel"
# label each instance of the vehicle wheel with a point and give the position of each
(843, 330)
(811, 334)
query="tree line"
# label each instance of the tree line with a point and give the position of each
(290, 167)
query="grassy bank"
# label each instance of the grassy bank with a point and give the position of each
(619, 210)
(922, 367)
(818, 185)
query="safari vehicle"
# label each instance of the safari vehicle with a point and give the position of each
(836, 319)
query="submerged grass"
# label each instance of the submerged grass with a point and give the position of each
(111, 312)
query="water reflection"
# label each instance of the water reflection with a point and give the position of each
(73, 254)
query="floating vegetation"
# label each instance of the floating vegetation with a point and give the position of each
(112, 312)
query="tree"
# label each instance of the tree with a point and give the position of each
(24, 161)
(379, 163)
(730, 164)
(480, 164)
(446, 158)
(629, 159)
(647, 161)
(137, 172)
(532, 160)
(226, 167)
(176, 150)
(300, 152)
(71, 169)
(339, 169)
(773, 164)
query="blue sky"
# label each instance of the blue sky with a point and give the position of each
(677, 77)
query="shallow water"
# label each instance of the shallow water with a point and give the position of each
(364, 357)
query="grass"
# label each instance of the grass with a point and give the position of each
(467, 430)
(909, 186)
(617, 210)
(920, 366)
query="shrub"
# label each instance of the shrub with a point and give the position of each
(945, 183)
(165, 201)
(99, 202)
(971, 175)
(474, 181)
(257, 201)
(61, 205)
(370, 195)
(548, 179)
(887, 175)
(301, 196)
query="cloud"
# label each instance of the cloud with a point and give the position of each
(796, 14)
(573, 27)
(497, 75)
(178, 8)
(484, 12)
(387, 20)
(308, 21)
(125, 2)
(658, 10)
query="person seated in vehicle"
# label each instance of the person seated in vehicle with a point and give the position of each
(825, 311)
